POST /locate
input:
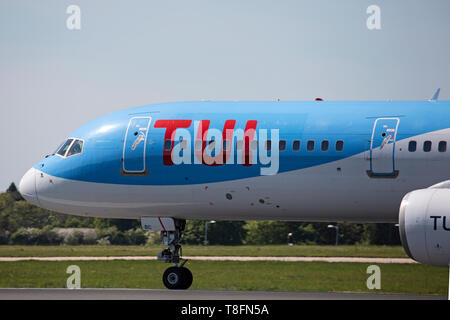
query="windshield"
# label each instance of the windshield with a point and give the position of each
(76, 148)
(59, 146)
(64, 147)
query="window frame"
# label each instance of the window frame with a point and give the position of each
(198, 145)
(322, 143)
(444, 143)
(59, 147)
(336, 146)
(239, 145)
(68, 148)
(166, 144)
(182, 143)
(431, 145)
(268, 145)
(280, 143)
(226, 145)
(299, 145)
(75, 154)
(313, 145)
(415, 145)
(65, 156)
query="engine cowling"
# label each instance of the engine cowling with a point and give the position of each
(424, 222)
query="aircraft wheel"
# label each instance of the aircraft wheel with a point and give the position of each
(187, 278)
(177, 278)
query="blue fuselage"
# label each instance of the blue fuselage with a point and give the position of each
(318, 160)
(351, 122)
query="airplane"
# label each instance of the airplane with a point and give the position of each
(317, 161)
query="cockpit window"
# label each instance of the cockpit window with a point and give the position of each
(70, 148)
(57, 149)
(76, 148)
(64, 147)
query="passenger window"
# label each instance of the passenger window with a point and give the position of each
(211, 147)
(76, 148)
(167, 145)
(296, 145)
(412, 146)
(325, 145)
(225, 145)
(427, 146)
(339, 145)
(310, 145)
(442, 146)
(268, 145)
(183, 144)
(64, 147)
(282, 145)
(211, 144)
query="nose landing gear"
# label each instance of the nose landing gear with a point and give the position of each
(177, 276)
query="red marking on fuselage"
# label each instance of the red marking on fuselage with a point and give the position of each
(249, 135)
(161, 224)
(222, 156)
(202, 134)
(171, 126)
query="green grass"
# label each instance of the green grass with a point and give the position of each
(272, 250)
(228, 275)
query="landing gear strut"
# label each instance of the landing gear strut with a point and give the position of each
(177, 276)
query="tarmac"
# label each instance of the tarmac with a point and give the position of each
(218, 258)
(154, 294)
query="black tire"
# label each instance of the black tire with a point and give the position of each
(187, 278)
(173, 278)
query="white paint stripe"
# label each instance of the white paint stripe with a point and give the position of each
(217, 258)
(13, 259)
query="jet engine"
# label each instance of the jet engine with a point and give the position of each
(424, 222)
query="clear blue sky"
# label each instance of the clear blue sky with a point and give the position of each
(131, 53)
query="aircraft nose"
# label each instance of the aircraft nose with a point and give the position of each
(27, 186)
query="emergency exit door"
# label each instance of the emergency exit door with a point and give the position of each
(382, 148)
(134, 146)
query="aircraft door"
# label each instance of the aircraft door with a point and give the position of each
(382, 148)
(134, 146)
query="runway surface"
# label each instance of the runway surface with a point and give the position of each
(219, 258)
(153, 294)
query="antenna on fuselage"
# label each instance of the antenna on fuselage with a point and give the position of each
(436, 95)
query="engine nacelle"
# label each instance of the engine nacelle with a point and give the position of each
(425, 226)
